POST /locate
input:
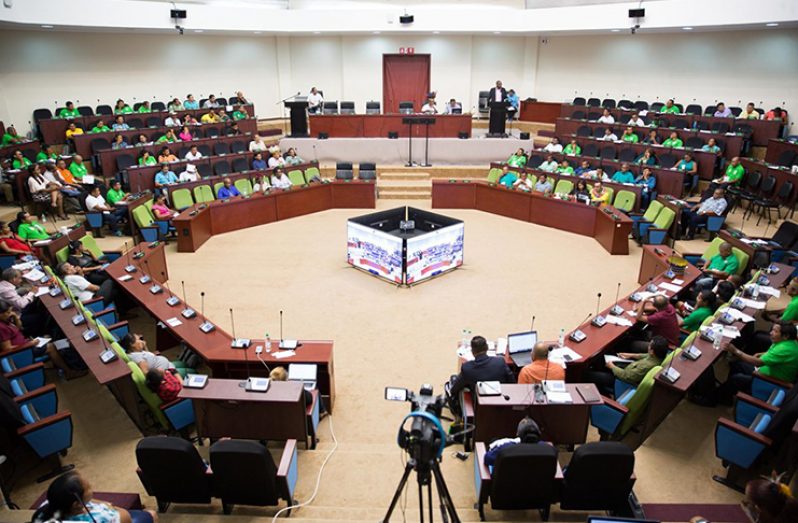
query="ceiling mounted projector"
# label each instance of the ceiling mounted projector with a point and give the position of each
(406, 19)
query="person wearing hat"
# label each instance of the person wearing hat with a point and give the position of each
(190, 174)
(528, 433)
(172, 120)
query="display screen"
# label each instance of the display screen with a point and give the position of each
(374, 251)
(434, 253)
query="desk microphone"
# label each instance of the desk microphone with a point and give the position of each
(237, 343)
(616, 309)
(532, 327)
(130, 267)
(206, 326)
(577, 335)
(281, 328)
(154, 288)
(172, 300)
(243, 384)
(188, 312)
(670, 374)
(599, 320)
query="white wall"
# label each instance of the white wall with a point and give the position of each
(44, 69)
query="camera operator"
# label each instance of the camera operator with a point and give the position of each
(482, 368)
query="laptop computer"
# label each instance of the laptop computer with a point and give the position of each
(304, 372)
(519, 347)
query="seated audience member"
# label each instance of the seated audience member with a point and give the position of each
(636, 121)
(72, 130)
(315, 101)
(10, 136)
(554, 146)
(185, 134)
(29, 228)
(78, 168)
(669, 108)
(583, 168)
(550, 165)
(190, 103)
(139, 353)
(599, 195)
(91, 267)
(160, 210)
(211, 103)
(280, 374)
(257, 144)
(721, 111)
(647, 183)
(508, 177)
(429, 107)
(711, 146)
(580, 192)
(261, 184)
(168, 137)
(145, 158)
(276, 159)
(190, 174)
(541, 368)
(119, 124)
(524, 182)
(527, 433)
(572, 149)
(767, 500)
(609, 136)
(606, 117)
(142, 141)
(705, 305)
(481, 368)
(82, 288)
(630, 136)
(193, 154)
(513, 103)
(210, 117)
(623, 175)
(190, 120)
(223, 116)
(749, 113)
(46, 153)
(544, 185)
(119, 142)
(689, 168)
(646, 158)
(227, 190)
(673, 141)
(780, 361)
(100, 127)
(70, 111)
(112, 216)
(517, 159)
(122, 108)
(788, 313)
(45, 192)
(166, 156)
(453, 107)
(241, 98)
(172, 120)
(164, 178)
(166, 384)
(652, 138)
(11, 244)
(174, 106)
(116, 195)
(144, 108)
(697, 214)
(660, 316)
(733, 175)
(565, 168)
(19, 161)
(777, 113)
(258, 163)
(632, 373)
(279, 179)
(65, 175)
(240, 113)
(232, 129)
(720, 267)
(20, 296)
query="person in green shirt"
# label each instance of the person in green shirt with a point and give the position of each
(632, 373)
(46, 153)
(100, 127)
(144, 107)
(732, 176)
(29, 228)
(122, 107)
(19, 161)
(705, 304)
(69, 111)
(673, 141)
(630, 136)
(168, 137)
(10, 136)
(720, 267)
(116, 194)
(572, 149)
(565, 168)
(669, 108)
(145, 158)
(240, 113)
(518, 159)
(780, 361)
(624, 175)
(174, 106)
(78, 168)
(760, 340)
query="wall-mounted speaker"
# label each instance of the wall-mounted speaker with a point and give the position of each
(406, 19)
(178, 13)
(393, 135)
(637, 13)
(323, 136)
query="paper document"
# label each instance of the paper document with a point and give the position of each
(41, 291)
(677, 281)
(770, 291)
(753, 303)
(34, 275)
(617, 320)
(564, 354)
(465, 354)
(670, 287)
(559, 397)
(61, 344)
(173, 322)
(609, 358)
(88, 179)
(42, 341)
(501, 346)
(284, 354)
(728, 331)
(24, 266)
(737, 314)
(126, 277)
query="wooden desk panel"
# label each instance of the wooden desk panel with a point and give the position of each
(241, 213)
(776, 147)
(504, 202)
(302, 200)
(379, 125)
(573, 217)
(454, 195)
(782, 175)
(192, 231)
(613, 230)
(547, 112)
(356, 194)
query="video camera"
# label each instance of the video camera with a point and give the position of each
(426, 438)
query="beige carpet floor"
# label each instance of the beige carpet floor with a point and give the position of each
(390, 336)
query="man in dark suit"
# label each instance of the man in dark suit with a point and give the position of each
(482, 368)
(502, 93)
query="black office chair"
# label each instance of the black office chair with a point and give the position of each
(783, 197)
(154, 121)
(344, 171)
(534, 161)
(720, 127)
(211, 132)
(124, 162)
(579, 101)
(590, 149)
(593, 102)
(202, 102)
(367, 171)
(583, 130)
(709, 110)
(667, 160)
(85, 110)
(626, 104)
(205, 149)
(221, 168)
(183, 151)
(766, 190)
(233, 100)
(99, 144)
(42, 114)
(607, 152)
(135, 123)
(347, 107)
(627, 155)
(158, 106)
(221, 148)
(600, 476)
(702, 125)
(786, 158)
(329, 107)
(656, 106)
(240, 165)
(406, 107)
(681, 123)
(204, 169)
(608, 103)
(694, 142)
(736, 111)
(641, 105)
(238, 147)
(747, 192)
(693, 109)
(244, 473)
(104, 110)
(372, 107)
(172, 471)
(221, 101)
(578, 115)
(592, 116)
(598, 132)
(524, 477)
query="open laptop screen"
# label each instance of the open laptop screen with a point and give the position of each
(521, 342)
(302, 372)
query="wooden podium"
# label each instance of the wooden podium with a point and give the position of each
(299, 117)
(498, 119)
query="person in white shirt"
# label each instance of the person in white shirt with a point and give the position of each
(554, 146)
(314, 101)
(550, 165)
(70, 192)
(429, 107)
(211, 103)
(82, 288)
(276, 160)
(451, 106)
(606, 117)
(280, 179)
(609, 136)
(257, 144)
(193, 154)
(524, 182)
(111, 216)
(172, 120)
(636, 120)
(189, 175)
(261, 184)
(45, 192)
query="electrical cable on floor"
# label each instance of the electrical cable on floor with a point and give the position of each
(318, 479)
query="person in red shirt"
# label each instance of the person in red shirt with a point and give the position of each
(541, 368)
(11, 244)
(166, 384)
(661, 318)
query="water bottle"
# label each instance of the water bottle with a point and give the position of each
(561, 339)
(268, 343)
(717, 336)
(755, 291)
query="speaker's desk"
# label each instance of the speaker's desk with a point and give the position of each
(610, 227)
(379, 125)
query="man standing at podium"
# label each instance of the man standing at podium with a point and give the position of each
(498, 93)
(497, 101)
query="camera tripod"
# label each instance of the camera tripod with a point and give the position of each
(425, 474)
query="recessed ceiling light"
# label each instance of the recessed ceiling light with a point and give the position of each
(316, 32)
(197, 30)
(615, 30)
(772, 24)
(436, 32)
(47, 27)
(687, 28)
(497, 32)
(257, 32)
(376, 32)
